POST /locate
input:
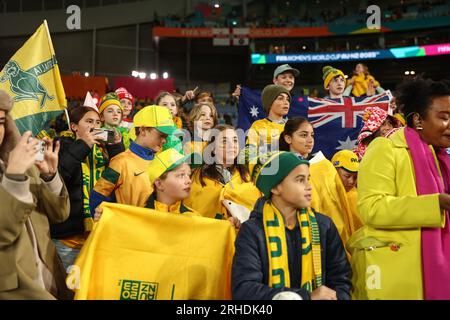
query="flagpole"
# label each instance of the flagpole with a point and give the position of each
(67, 117)
(49, 37)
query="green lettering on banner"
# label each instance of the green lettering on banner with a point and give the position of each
(138, 290)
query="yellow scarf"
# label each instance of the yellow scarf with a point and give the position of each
(277, 248)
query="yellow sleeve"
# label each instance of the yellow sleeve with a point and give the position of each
(379, 204)
(253, 136)
(111, 178)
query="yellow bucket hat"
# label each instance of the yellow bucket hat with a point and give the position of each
(165, 161)
(346, 159)
(153, 117)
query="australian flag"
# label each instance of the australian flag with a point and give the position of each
(336, 122)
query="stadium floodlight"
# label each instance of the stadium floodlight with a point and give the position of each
(142, 75)
(153, 76)
(165, 75)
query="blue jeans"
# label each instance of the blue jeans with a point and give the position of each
(67, 254)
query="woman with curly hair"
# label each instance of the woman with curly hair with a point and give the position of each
(403, 251)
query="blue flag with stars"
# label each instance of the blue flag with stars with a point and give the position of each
(336, 122)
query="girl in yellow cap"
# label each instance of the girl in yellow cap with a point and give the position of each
(221, 177)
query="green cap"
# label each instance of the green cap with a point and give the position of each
(270, 169)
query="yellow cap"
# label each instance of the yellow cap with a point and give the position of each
(165, 161)
(347, 160)
(400, 118)
(153, 117)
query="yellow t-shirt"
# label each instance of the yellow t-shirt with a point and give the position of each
(264, 132)
(127, 177)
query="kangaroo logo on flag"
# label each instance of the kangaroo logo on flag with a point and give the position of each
(32, 78)
(25, 84)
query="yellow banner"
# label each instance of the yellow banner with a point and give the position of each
(32, 78)
(142, 254)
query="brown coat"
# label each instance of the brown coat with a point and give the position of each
(18, 266)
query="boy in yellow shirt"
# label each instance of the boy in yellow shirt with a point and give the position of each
(125, 181)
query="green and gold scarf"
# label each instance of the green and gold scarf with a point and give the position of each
(277, 248)
(92, 168)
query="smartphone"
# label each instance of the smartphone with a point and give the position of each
(237, 210)
(40, 148)
(104, 135)
(41, 151)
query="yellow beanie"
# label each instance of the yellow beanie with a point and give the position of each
(329, 73)
(109, 99)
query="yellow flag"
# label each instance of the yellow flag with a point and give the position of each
(329, 196)
(32, 79)
(141, 254)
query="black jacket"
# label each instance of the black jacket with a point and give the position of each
(71, 155)
(250, 279)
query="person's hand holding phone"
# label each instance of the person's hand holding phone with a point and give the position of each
(89, 137)
(48, 167)
(23, 156)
